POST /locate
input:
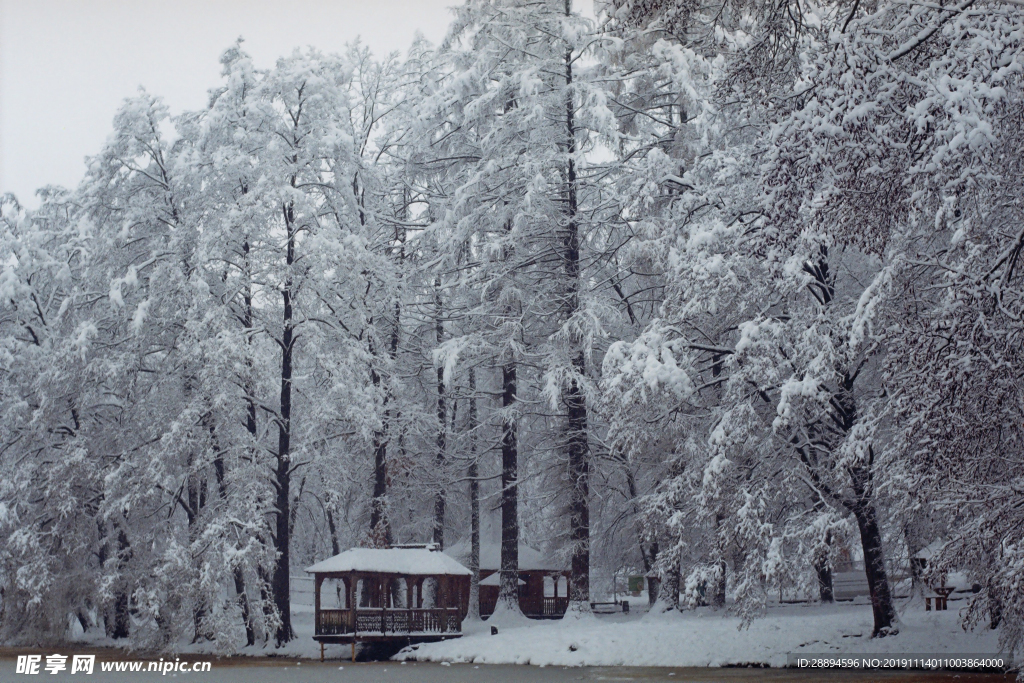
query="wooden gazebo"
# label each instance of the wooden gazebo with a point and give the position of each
(407, 593)
(539, 574)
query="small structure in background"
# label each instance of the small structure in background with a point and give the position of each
(849, 581)
(411, 593)
(940, 586)
(543, 583)
(941, 598)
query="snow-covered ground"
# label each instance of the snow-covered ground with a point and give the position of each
(697, 638)
(705, 638)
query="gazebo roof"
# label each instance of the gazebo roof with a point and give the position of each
(495, 580)
(530, 559)
(405, 561)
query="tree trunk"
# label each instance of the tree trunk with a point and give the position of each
(653, 583)
(248, 322)
(995, 609)
(118, 626)
(266, 600)
(293, 514)
(239, 579)
(199, 608)
(332, 527)
(282, 480)
(823, 568)
(579, 515)
(102, 555)
(578, 447)
(862, 504)
(874, 566)
(251, 429)
(192, 504)
(913, 534)
(474, 504)
(863, 508)
(669, 588)
(243, 604)
(508, 592)
(631, 487)
(442, 427)
(380, 525)
(718, 599)
(648, 555)
(380, 528)
(824, 571)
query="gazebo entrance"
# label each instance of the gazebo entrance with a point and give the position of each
(410, 593)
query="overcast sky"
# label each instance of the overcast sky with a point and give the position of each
(66, 65)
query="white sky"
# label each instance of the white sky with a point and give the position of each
(66, 65)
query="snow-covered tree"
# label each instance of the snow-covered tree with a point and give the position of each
(731, 289)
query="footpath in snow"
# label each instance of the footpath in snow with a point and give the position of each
(702, 638)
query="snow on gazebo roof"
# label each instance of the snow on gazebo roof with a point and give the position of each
(407, 561)
(530, 559)
(495, 580)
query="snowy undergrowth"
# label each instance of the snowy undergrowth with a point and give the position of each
(703, 638)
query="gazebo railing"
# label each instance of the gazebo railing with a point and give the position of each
(331, 622)
(379, 621)
(554, 607)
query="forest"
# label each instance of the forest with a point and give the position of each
(725, 293)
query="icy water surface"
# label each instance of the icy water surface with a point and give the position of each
(256, 671)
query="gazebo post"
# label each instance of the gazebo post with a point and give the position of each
(442, 601)
(353, 605)
(351, 586)
(385, 595)
(319, 581)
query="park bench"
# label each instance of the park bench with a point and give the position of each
(609, 607)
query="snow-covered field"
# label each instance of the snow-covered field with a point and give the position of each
(704, 638)
(697, 638)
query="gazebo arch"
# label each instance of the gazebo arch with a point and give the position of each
(381, 612)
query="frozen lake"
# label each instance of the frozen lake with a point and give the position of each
(251, 671)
